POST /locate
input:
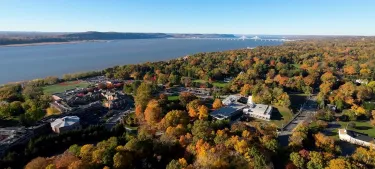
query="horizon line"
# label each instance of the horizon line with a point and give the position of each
(265, 34)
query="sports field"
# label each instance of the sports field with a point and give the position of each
(61, 87)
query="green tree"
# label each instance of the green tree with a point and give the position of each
(201, 130)
(75, 149)
(186, 97)
(316, 160)
(16, 108)
(297, 160)
(143, 95)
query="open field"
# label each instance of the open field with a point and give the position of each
(61, 87)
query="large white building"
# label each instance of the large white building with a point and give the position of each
(260, 111)
(65, 124)
(235, 105)
(356, 138)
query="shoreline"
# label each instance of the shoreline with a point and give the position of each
(52, 43)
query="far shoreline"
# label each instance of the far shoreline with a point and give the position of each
(52, 43)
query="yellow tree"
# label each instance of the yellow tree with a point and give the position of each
(217, 104)
(203, 112)
(241, 146)
(86, 152)
(338, 163)
(152, 112)
(323, 142)
(193, 107)
(246, 90)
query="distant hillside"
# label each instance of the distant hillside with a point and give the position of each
(112, 36)
(10, 38)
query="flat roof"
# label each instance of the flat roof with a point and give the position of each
(228, 110)
(261, 109)
(360, 136)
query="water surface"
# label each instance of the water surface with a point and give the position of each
(30, 62)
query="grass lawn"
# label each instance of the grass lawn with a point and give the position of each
(173, 98)
(220, 84)
(199, 81)
(281, 115)
(61, 87)
(361, 127)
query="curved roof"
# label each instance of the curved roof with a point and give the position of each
(65, 121)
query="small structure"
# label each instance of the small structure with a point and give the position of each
(260, 111)
(65, 124)
(332, 107)
(361, 81)
(356, 138)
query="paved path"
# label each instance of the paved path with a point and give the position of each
(306, 113)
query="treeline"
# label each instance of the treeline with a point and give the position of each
(12, 41)
(25, 103)
(81, 75)
(25, 39)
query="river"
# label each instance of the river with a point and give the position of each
(18, 63)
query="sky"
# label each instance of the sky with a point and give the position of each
(274, 17)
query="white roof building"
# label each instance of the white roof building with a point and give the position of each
(66, 123)
(260, 111)
(235, 105)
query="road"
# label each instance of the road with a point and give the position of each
(116, 118)
(308, 109)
